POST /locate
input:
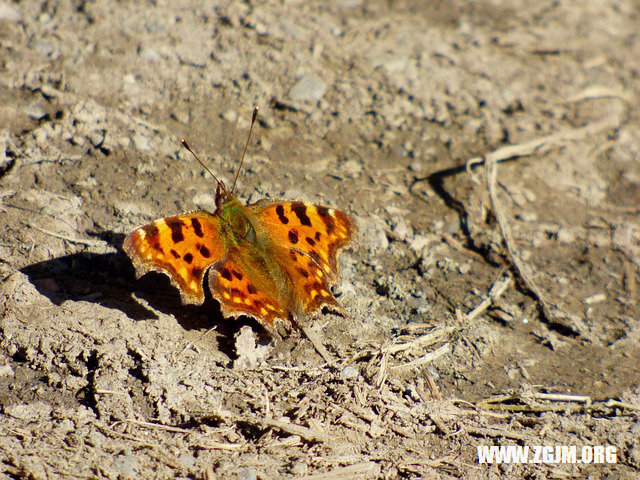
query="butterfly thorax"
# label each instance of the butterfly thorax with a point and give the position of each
(237, 228)
(250, 246)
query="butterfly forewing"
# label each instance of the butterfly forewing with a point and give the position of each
(317, 231)
(183, 247)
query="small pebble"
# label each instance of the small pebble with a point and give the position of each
(416, 166)
(8, 13)
(77, 140)
(141, 142)
(187, 460)
(47, 49)
(182, 116)
(565, 236)
(597, 298)
(245, 474)
(401, 231)
(390, 62)
(96, 137)
(230, 116)
(126, 465)
(307, 88)
(150, 54)
(352, 168)
(349, 372)
(40, 136)
(204, 200)
(419, 242)
(464, 268)
(35, 112)
(6, 371)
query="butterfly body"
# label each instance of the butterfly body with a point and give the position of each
(272, 260)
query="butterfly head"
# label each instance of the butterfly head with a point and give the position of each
(223, 195)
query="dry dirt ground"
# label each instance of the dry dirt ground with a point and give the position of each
(489, 152)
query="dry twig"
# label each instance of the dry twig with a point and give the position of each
(308, 434)
(497, 432)
(363, 469)
(600, 91)
(505, 403)
(221, 446)
(542, 144)
(513, 253)
(495, 292)
(166, 428)
(426, 358)
(421, 341)
(313, 337)
(525, 149)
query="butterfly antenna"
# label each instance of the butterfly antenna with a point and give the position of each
(253, 120)
(186, 145)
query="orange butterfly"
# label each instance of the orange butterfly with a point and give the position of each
(271, 260)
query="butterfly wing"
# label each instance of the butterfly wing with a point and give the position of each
(310, 282)
(244, 287)
(182, 247)
(309, 239)
(316, 231)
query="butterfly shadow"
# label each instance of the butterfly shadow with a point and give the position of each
(101, 278)
(109, 280)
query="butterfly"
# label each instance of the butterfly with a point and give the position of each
(274, 261)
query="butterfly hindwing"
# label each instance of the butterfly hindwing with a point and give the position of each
(311, 282)
(246, 290)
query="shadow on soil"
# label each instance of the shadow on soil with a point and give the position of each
(109, 280)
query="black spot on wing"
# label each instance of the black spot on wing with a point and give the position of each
(205, 252)
(176, 230)
(281, 216)
(188, 257)
(251, 289)
(328, 220)
(313, 267)
(155, 244)
(293, 237)
(311, 241)
(175, 254)
(150, 230)
(197, 227)
(226, 274)
(237, 274)
(323, 211)
(331, 225)
(300, 209)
